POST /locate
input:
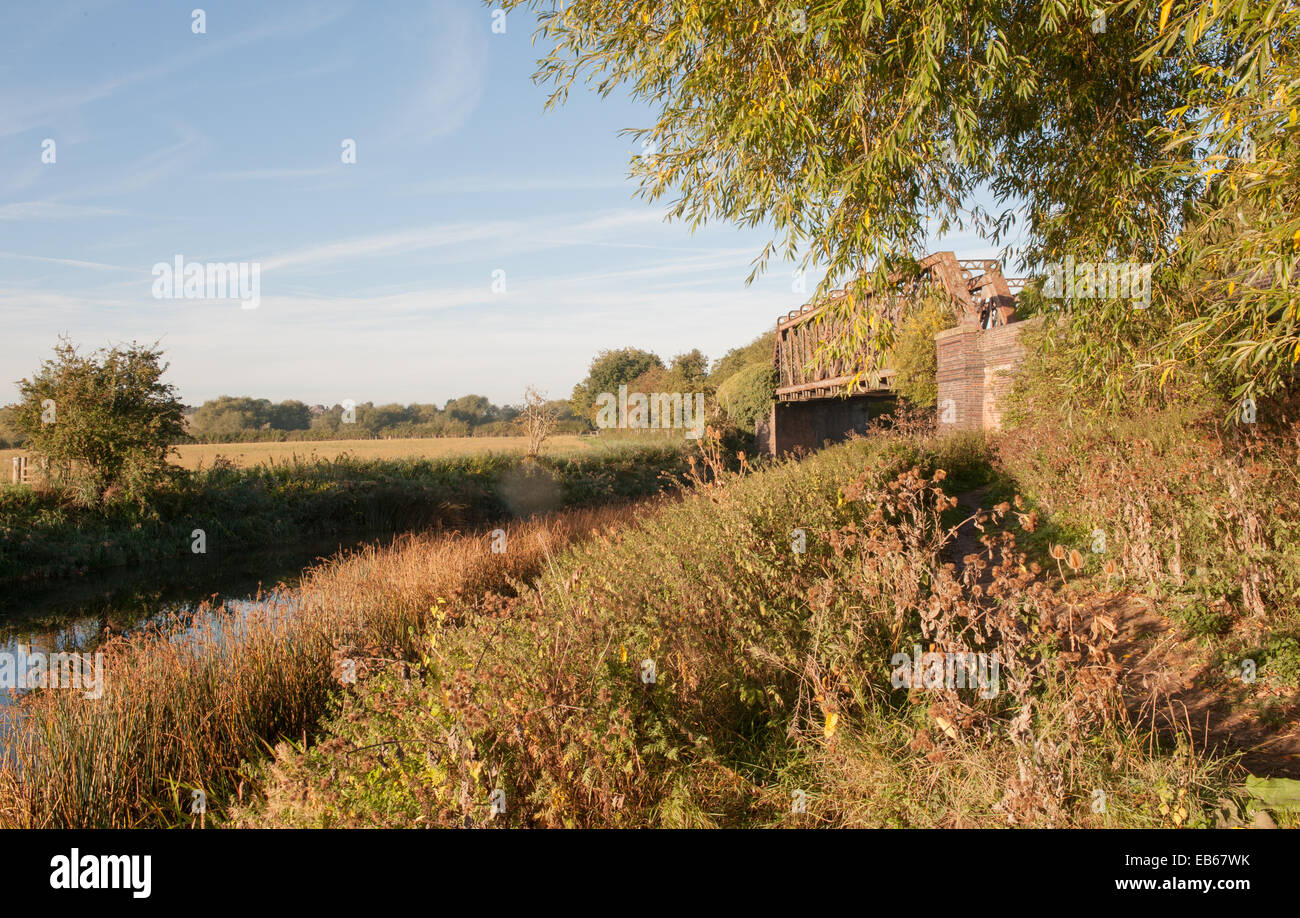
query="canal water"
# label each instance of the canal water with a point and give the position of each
(78, 615)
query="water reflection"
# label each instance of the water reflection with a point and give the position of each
(80, 616)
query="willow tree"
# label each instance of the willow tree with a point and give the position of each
(852, 129)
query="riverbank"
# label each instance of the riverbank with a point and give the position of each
(734, 661)
(183, 715)
(211, 513)
(727, 659)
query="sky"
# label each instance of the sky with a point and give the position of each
(478, 242)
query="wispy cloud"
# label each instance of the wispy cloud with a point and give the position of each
(152, 167)
(512, 185)
(70, 262)
(274, 174)
(52, 210)
(507, 236)
(384, 244)
(453, 85)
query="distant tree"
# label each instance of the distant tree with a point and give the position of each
(426, 414)
(329, 421)
(104, 422)
(538, 418)
(472, 409)
(689, 370)
(229, 415)
(757, 351)
(376, 419)
(654, 379)
(289, 415)
(609, 370)
(11, 434)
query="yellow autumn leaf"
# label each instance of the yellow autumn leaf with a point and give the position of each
(945, 726)
(623, 652)
(832, 721)
(1165, 7)
(1297, 239)
(1232, 286)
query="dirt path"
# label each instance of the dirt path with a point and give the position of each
(1168, 683)
(967, 541)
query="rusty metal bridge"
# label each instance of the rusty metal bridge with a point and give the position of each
(980, 295)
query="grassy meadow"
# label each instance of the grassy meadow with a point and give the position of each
(47, 533)
(200, 455)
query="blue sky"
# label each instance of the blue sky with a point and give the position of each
(376, 276)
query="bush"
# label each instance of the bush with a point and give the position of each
(915, 357)
(102, 422)
(746, 396)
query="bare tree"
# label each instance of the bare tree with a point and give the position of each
(538, 418)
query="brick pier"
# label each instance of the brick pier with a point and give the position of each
(974, 367)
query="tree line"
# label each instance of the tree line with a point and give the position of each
(239, 418)
(738, 387)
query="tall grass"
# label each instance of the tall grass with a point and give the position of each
(1205, 519)
(694, 668)
(184, 707)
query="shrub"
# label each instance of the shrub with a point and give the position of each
(915, 356)
(103, 421)
(746, 396)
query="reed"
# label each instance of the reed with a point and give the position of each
(184, 706)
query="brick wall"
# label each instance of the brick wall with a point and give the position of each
(973, 373)
(812, 424)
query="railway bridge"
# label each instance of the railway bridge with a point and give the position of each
(820, 402)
